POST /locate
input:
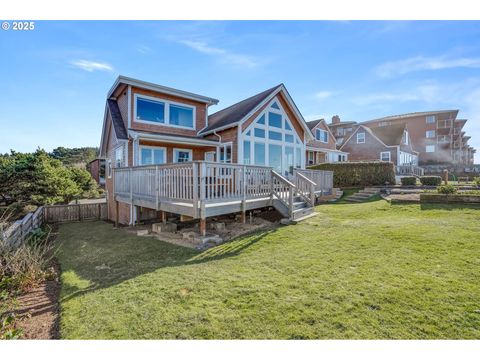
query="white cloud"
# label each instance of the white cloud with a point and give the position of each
(91, 66)
(222, 54)
(420, 63)
(322, 95)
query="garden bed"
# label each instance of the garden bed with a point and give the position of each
(450, 198)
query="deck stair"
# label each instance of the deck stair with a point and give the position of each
(363, 195)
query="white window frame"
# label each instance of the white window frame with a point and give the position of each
(430, 119)
(109, 168)
(430, 132)
(321, 131)
(177, 150)
(167, 104)
(405, 137)
(208, 153)
(119, 156)
(389, 156)
(430, 145)
(224, 146)
(140, 147)
(297, 144)
(358, 138)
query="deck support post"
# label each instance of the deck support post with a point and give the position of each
(203, 227)
(163, 216)
(116, 213)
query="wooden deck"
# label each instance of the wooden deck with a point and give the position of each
(202, 189)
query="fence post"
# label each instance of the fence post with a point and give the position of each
(195, 188)
(79, 212)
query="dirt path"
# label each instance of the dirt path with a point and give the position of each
(39, 311)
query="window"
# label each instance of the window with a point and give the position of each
(275, 106)
(119, 157)
(342, 157)
(430, 134)
(339, 141)
(311, 156)
(443, 138)
(274, 120)
(405, 137)
(261, 120)
(246, 152)
(109, 168)
(288, 168)
(289, 138)
(275, 157)
(298, 157)
(259, 150)
(431, 119)
(361, 138)
(260, 133)
(430, 148)
(226, 153)
(182, 155)
(150, 155)
(287, 125)
(210, 156)
(275, 135)
(340, 132)
(150, 110)
(322, 135)
(181, 116)
(385, 156)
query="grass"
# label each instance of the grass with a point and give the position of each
(356, 271)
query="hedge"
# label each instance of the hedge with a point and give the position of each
(431, 180)
(368, 173)
(408, 180)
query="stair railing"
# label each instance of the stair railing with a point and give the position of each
(305, 188)
(283, 190)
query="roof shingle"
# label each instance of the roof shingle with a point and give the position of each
(117, 121)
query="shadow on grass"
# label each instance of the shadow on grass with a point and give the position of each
(97, 256)
(450, 206)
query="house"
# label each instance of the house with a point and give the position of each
(164, 153)
(323, 148)
(341, 129)
(96, 168)
(392, 143)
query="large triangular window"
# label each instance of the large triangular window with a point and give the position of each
(275, 106)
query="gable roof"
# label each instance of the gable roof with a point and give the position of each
(117, 121)
(311, 124)
(390, 135)
(236, 112)
(160, 88)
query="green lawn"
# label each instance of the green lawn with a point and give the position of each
(356, 271)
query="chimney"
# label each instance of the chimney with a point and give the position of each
(336, 119)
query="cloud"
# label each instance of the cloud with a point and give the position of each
(222, 54)
(420, 63)
(91, 66)
(143, 49)
(322, 95)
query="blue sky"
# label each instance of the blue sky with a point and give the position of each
(54, 79)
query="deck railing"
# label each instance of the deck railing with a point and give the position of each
(323, 179)
(409, 170)
(201, 182)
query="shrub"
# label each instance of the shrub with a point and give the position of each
(368, 173)
(447, 189)
(476, 181)
(408, 180)
(431, 180)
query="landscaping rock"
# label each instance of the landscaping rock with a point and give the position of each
(142, 232)
(164, 227)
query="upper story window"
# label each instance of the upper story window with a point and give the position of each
(322, 135)
(385, 156)
(430, 134)
(226, 153)
(361, 138)
(444, 124)
(148, 109)
(430, 148)
(119, 157)
(405, 137)
(431, 119)
(182, 155)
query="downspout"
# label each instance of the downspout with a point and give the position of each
(220, 141)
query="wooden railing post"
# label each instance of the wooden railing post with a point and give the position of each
(157, 190)
(195, 188)
(290, 201)
(130, 180)
(203, 185)
(244, 194)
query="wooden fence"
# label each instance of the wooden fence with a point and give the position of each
(18, 232)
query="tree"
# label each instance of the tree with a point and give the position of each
(37, 178)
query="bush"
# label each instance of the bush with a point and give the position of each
(476, 181)
(431, 180)
(408, 180)
(447, 189)
(368, 173)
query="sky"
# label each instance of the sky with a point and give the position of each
(54, 79)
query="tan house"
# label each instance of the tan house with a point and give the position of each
(164, 153)
(323, 148)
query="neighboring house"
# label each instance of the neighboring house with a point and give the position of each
(149, 124)
(392, 143)
(436, 135)
(323, 148)
(97, 170)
